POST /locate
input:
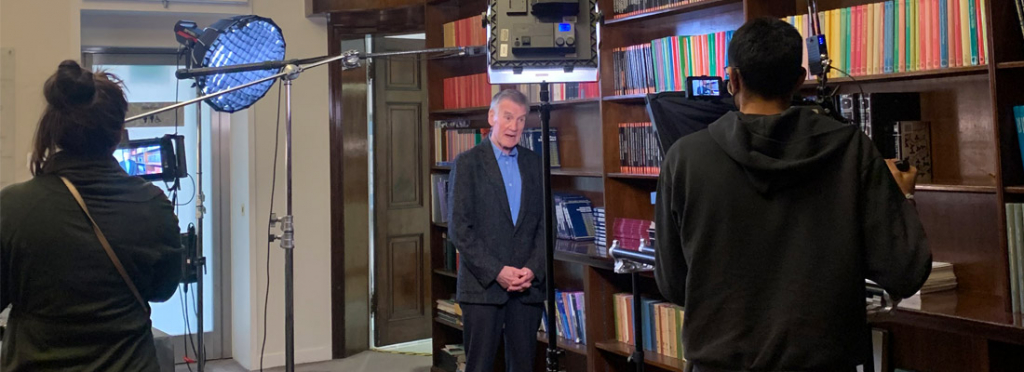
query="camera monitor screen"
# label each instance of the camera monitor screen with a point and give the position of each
(141, 158)
(705, 86)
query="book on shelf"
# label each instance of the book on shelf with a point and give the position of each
(629, 8)
(941, 278)
(451, 254)
(1020, 14)
(532, 140)
(574, 217)
(558, 91)
(1018, 119)
(465, 32)
(439, 196)
(662, 324)
(571, 322)
(639, 149)
(664, 64)
(629, 232)
(1015, 245)
(902, 36)
(452, 358)
(449, 311)
(600, 231)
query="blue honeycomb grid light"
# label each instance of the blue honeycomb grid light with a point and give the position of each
(234, 41)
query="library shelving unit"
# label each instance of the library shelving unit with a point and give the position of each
(977, 168)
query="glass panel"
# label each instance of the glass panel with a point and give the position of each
(156, 83)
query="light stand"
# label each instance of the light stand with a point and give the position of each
(289, 72)
(553, 352)
(633, 263)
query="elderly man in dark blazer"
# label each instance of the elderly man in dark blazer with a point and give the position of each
(496, 225)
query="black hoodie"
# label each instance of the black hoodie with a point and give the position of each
(767, 227)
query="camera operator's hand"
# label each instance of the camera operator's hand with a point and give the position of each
(907, 180)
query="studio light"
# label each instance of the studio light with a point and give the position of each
(236, 41)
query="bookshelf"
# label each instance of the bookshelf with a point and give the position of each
(977, 169)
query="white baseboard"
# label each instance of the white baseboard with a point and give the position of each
(271, 360)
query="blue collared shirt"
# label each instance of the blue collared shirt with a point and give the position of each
(509, 166)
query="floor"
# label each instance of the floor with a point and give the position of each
(385, 360)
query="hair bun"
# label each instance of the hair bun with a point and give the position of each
(70, 86)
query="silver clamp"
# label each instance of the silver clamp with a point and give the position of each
(624, 265)
(287, 237)
(350, 59)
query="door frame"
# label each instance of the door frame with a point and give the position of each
(218, 341)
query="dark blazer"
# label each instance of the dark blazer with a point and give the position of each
(480, 225)
(71, 310)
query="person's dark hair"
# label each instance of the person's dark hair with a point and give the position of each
(84, 114)
(767, 52)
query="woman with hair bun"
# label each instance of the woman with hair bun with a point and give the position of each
(84, 247)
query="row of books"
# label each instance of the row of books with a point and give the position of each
(465, 32)
(662, 325)
(559, 91)
(572, 316)
(533, 140)
(664, 64)
(629, 232)
(629, 8)
(453, 137)
(600, 231)
(449, 311)
(893, 121)
(639, 149)
(574, 216)
(1015, 239)
(902, 35)
(468, 91)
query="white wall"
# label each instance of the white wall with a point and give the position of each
(41, 33)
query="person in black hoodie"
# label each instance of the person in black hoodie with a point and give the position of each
(71, 310)
(769, 221)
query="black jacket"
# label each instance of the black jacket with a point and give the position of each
(71, 310)
(480, 226)
(767, 227)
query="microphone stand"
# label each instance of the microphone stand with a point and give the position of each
(290, 70)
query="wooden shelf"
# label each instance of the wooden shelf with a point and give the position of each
(927, 74)
(1010, 65)
(447, 273)
(441, 321)
(534, 106)
(585, 253)
(440, 168)
(442, 225)
(962, 313)
(542, 337)
(631, 176)
(671, 11)
(564, 344)
(954, 186)
(627, 98)
(650, 358)
(1014, 189)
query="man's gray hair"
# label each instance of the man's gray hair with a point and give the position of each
(511, 95)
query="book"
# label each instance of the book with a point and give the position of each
(1011, 229)
(913, 143)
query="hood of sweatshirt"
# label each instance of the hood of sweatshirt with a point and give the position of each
(777, 151)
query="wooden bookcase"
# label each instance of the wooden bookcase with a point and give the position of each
(977, 169)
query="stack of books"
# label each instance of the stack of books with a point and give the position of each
(630, 231)
(452, 358)
(575, 217)
(942, 278)
(601, 239)
(449, 311)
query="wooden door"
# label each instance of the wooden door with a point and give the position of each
(401, 302)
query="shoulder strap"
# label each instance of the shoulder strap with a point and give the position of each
(106, 245)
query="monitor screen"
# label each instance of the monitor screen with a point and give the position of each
(140, 159)
(705, 88)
